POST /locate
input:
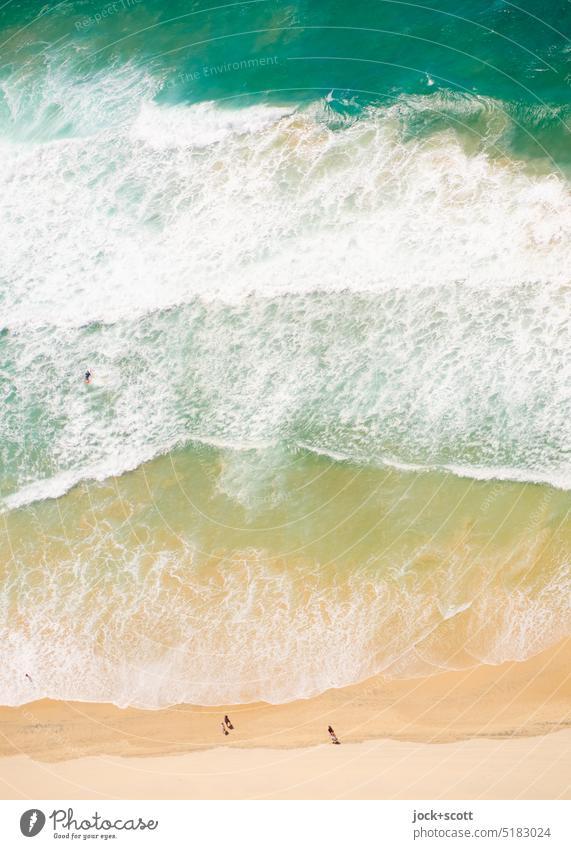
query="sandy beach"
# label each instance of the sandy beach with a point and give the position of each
(527, 768)
(486, 732)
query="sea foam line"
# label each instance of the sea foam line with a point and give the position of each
(63, 482)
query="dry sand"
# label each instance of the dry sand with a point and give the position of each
(487, 732)
(527, 768)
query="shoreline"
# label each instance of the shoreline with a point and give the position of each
(486, 732)
(514, 699)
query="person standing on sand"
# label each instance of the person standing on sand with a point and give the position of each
(228, 723)
(333, 736)
(224, 731)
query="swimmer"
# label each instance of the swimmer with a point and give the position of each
(88, 376)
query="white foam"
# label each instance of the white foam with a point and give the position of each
(56, 486)
(471, 385)
(178, 202)
(200, 125)
(157, 630)
(270, 214)
(559, 478)
(48, 103)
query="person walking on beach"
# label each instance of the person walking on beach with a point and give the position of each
(333, 736)
(224, 730)
(228, 723)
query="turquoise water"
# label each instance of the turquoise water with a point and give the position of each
(324, 237)
(474, 59)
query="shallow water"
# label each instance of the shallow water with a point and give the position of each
(215, 576)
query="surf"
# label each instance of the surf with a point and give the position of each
(456, 378)
(187, 241)
(178, 202)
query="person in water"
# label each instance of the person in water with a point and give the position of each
(228, 723)
(88, 375)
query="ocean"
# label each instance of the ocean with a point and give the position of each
(317, 257)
